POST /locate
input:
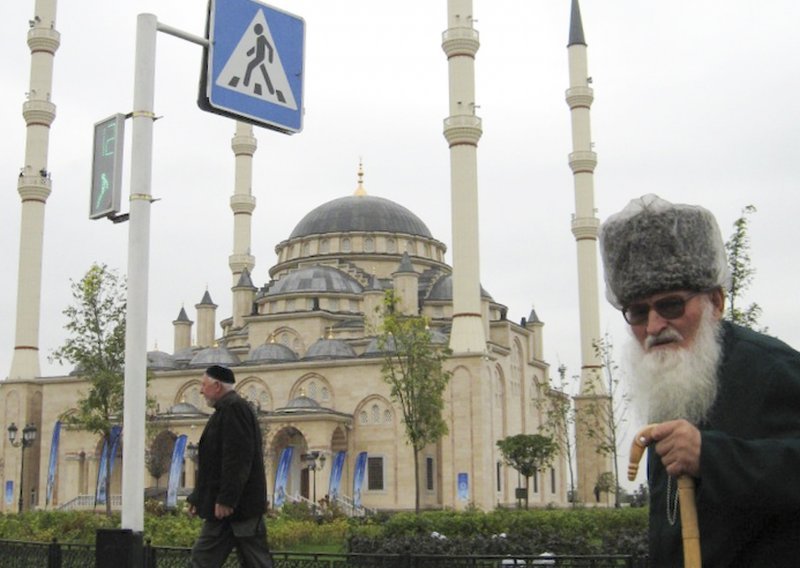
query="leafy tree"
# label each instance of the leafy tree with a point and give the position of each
(158, 458)
(96, 346)
(559, 422)
(605, 416)
(413, 369)
(528, 453)
(742, 272)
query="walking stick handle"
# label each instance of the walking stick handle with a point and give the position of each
(690, 532)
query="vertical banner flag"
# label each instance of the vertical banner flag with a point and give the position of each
(358, 478)
(175, 470)
(100, 490)
(281, 476)
(9, 492)
(51, 470)
(463, 487)
(336, 475)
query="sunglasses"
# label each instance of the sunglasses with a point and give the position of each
(669, 307)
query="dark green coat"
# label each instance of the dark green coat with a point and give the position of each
(231, 463)
(748, 491)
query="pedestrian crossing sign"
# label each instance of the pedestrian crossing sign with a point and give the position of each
(254, 64)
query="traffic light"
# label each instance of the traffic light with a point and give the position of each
(105, 198)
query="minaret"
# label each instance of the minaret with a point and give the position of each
(242, 202)
(206, 316)
(462, 129)
(585, 226)
(34, 187)
(182, 332)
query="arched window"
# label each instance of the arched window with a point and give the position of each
(346, 245)
(369, 245)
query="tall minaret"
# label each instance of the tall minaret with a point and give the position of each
(242, 202)
(585, 226)
(462, 129)
(34, 187)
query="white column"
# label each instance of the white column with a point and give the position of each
(34, 187)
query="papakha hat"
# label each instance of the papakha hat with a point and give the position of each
(220, 373)
(654, 246)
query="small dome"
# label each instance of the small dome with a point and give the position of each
(374, 349)
(360, 213)
(303, 401)
(315, 279)
(214, 356)
(160, 361)
(184, 408)
(442, 290)
(439, 338)
(183, 356)
(272, 353)
(329, 349)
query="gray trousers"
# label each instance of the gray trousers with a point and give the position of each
(217, 539)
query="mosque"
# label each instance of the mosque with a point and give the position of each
(302, 340)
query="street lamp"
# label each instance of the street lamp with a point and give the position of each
(28, 438)
(315, 460)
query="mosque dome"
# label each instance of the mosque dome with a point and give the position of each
(303, 401)
(329, 349)
(315, 279)
(184, 409)
(160, 361)
(184, 356)
(214, 356)
(442, 290)
(272, 353)
(374, 348)
(360, 213)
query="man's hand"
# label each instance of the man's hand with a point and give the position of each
(678, 443)
(191, 510)
(222, 511)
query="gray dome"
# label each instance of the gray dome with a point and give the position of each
(184, 408)
(315, 279)
(374, 349)
(360, 213)
(214, 356)
(329, 349)
(184, 355)
(303, 402)
(160, 361)
(443, 290)
(272, 353)
(439, 338)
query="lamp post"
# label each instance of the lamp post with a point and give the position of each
(315, 460)
(28, 438)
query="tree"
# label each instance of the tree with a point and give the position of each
(528, 453)
(96, 346)
(413, 369)
(605, 417)
(158, 458)
(559, 422)
(738, 249)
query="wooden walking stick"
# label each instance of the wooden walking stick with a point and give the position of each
(690, 533)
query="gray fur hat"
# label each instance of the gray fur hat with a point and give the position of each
(656, 246)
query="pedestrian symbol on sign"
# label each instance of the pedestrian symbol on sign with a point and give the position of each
(254, 67)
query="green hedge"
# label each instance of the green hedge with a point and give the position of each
(571, 531)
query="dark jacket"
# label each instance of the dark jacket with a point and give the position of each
(231, 462)
(747, 493)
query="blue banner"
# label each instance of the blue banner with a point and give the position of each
(100, 490)
(336, 474)
(175, 470)
(463, 487)
(51, 470)
(358, 478)
(9, 492)
(281, 476)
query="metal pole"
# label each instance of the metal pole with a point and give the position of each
(21, 476)
(138, 272)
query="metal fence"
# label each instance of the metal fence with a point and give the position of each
(17, 554)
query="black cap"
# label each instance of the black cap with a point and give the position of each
(222, 374)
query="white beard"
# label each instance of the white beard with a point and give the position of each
(667, 383)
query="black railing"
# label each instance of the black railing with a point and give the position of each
(18, 554)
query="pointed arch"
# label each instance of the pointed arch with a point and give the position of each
(256, 391)
(189, 392)
(289, 337)
(314, 386)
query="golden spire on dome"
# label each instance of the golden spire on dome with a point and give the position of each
(360, 189)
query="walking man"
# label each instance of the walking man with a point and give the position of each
(231, 491)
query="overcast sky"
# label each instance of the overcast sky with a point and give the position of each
(694, 100)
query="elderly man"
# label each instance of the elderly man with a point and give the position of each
(727, 399)
(231, 491)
